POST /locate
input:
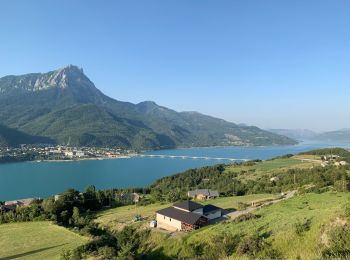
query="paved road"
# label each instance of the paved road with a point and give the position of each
(238, 213)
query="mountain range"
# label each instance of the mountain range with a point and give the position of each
(65, 107)
(297, 134)
(342, 135)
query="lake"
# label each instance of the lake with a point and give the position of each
(42, 179)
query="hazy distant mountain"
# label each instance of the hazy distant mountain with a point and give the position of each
(297, 134)
(342, 135)
(66, 106)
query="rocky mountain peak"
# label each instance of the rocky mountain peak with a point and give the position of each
(60, 78)
(68, 76)
(71, 70)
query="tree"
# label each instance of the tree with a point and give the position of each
(64, 217)
(77, 220)
(90, 199)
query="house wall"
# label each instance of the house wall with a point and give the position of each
(214, 214)
(201, 197)
(167, 223)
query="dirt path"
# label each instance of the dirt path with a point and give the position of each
(238, 213)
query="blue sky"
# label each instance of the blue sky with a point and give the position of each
(274, 64)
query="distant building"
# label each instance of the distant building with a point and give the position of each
(203, 194)
(186, 216)
(329, 157)
(69, 154)
(79, 154)
(7, 208)
(13, 204)
(53, 151)
(134, 197)
(72, 154)
(22, 202)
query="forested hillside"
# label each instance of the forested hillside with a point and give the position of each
(65, 105)
(12, 137)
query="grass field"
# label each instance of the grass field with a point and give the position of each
(36, 240)
(121, 216)
(268, 167)
(279, 164)
(117, 218)
(278, 220)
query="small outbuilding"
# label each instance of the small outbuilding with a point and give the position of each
(153, 224)
(134, 197)
(203, 194)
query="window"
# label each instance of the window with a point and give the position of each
(164, 217)
(170, 219)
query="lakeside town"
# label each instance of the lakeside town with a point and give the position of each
(60, 153)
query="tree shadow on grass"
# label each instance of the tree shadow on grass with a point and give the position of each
(30, 252)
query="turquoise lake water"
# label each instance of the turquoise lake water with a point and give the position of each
(42, 179)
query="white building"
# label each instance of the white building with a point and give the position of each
(79, 154)
(69, 154)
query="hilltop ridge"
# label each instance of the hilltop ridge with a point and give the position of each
(64, 104)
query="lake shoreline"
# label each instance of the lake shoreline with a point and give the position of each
(87, 159)
(34, 179)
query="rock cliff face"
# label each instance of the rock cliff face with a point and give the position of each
(61, 78)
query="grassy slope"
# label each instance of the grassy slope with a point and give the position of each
(119, 217)
(268, 167)
(43, 240)
(36, 240)
(279, 219)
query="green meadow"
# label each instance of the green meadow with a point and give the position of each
(269, 167)
(119, 217)
(277, 221)
(36, 240)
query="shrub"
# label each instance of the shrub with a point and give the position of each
(242, 206)
(302, 227)
(106, 252)
(245, 217)
(339, 243)
(256, 247)
(347, 211)
(250, 245)
(219, 246)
